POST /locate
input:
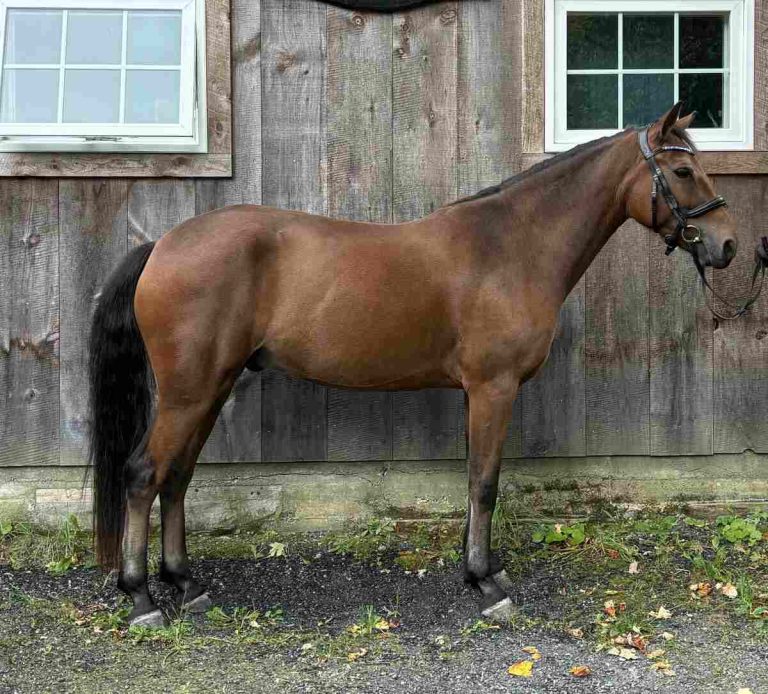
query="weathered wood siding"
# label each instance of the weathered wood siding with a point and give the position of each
(385, 118)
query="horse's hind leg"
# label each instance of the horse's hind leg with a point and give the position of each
(164, 466)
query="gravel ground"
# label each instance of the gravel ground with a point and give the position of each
(430, 650)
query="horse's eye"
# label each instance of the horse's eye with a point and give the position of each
(683, 172)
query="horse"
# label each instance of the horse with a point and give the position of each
(467, 297)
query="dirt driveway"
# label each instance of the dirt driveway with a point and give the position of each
(380, 609)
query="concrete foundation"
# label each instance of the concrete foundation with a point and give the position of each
(325, 495)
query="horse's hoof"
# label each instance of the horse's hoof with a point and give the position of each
(503, 581)
(149, 620)
(503, 611)
(202, 603)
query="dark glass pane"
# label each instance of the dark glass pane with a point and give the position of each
(646, 97)
(593, 102)
(703, 94)
(701, 41)
(593, 41)
(649, 41)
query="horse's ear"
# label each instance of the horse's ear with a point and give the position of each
(685, 121)
(661, 127)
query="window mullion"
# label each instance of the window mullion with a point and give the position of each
(620, 63)
(123, 60)
(676, 63)
(62, 62)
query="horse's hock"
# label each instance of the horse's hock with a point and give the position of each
(644, 399)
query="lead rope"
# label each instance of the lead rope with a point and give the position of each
(738, 310)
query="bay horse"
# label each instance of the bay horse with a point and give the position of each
(467, 297)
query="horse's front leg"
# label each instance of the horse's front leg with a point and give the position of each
(490, 406)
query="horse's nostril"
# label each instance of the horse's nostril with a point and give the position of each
(729, 249)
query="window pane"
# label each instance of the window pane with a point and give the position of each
(152, 96)
(703, 94)
(33, 36)
(593, 41)
(95, 37)
(649, 41)
(701, 41)
(154, 38)
(592, 101)
(646, 97)
(30, 96)
(91, 96)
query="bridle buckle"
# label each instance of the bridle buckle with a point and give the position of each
(696, 236)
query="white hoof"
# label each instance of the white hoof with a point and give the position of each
(503, 581)
(502, 611)
(150, 620)
(202, 603)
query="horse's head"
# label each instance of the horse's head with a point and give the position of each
(669, 192)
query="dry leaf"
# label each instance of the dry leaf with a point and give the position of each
(661, 613)
(623, 653)
(580, 671)
(663, 668)
(667, 636)
(612, 553)
(701, 589)
(610, 608)
(744, 690)
(533, 652)
(729, 590)
(576, 632)
(523, 668)
(633, 569)
(352, 656)
(655, 654)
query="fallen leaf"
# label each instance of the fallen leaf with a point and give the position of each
(667, 636)
(609, 608)
(523, 668)
(580, 671)
(633, 569)
(744, 690)
(533, 652)
(576, 632)
(701, 589)
(663, 668)
(612, 553)
(729, 590)
(661, 613)
(352, 656)
(655, 654)
(623, 653)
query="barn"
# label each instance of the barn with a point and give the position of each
(358, 114)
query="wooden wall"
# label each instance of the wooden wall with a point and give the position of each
(383, 117)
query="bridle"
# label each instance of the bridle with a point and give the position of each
(690, 234)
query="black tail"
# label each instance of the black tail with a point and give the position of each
(120, 399)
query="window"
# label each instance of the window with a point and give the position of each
(102, 75)
(615, 64)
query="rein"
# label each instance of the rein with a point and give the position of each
(691, 238)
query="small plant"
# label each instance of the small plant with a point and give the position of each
(570, 535)
(369, 623)
(735, 529)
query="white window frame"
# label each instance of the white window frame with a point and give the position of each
(738, 70)
(190, 135)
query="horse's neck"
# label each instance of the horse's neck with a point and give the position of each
(560, 217)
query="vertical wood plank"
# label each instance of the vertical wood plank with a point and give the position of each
(156, 206)
(554, 401)
(761, 75)
(428, 424)
(533, 76)
(680, 358)
(294, 169)
(359, 117)
(488, 119)
(617, 360)
(93, 223)
(741, 346)
(237, 434)
(29, 322)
